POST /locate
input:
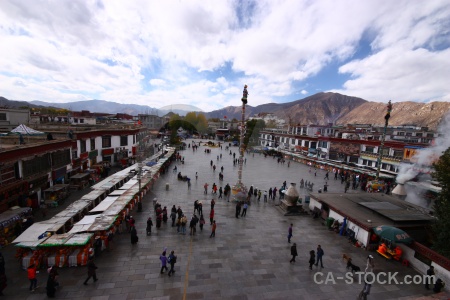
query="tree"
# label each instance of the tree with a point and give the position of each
(252, 132)
(441, 228)
(202, 123)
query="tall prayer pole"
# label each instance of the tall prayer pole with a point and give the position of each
(239, 190)
(383, 137)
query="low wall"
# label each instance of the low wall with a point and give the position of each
(361, 234)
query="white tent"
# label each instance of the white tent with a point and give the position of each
(25, 130)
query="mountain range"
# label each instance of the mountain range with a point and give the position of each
(320, 109)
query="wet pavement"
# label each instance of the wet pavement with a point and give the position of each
(247, 259)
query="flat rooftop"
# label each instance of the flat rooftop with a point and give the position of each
(373, 209)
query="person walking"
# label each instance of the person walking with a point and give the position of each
(172, 259)
(32, 277)
(92, 271)
(211, 216)
(220, 193)
(244, 210)
(370, 264)
(320, 254)
(213, 203)
(265, 196)
(206, 188)
(430, 272)
(202, 222)
(173, 216)
(163, 259)
(293, 253)
(259, 195)
(312, 258)
(290, 233)
(134, 236)
(149, 226)
(213, 229)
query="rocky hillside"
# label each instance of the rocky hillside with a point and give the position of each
(321, 108)
(403, 113)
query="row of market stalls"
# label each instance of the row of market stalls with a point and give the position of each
(66, 238)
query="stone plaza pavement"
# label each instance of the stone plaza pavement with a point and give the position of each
(248, 258)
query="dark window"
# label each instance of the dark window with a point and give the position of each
(92, 144)
(81, 121)
(60, 158)
(369, 148)
(430, 135)
(37, 165)
(124, 140)
(2, 116)
(419, 134)
(82, 146)
(106, 141)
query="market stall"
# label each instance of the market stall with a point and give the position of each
(60, 247)
(107, 202)
(79, 181)
(94, 223)
(9, 220)
(56, 194)
(95, 197)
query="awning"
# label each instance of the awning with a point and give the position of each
(107, 202)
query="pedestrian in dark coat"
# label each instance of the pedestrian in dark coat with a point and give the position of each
(312, 258)
(149, 225)
(293, 252)
(92, 271)
(134, 237)
(172, 259)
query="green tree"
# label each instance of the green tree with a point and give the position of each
(441, 228)
(202, 123)
(191, 117)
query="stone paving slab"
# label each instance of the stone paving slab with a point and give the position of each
(248, 258)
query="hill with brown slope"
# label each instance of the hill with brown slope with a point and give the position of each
(403, 113)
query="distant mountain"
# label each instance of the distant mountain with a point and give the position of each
(321, 108)
(324, 108)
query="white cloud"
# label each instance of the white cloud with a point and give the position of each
(166, 52)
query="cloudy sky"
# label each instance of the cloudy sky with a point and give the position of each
(202, 53)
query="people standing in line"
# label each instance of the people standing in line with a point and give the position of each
(92, 271)
(320, 254)
(211, 216)
(430, 272)
(244, 210)
(312, 258)
(31, 271)
(213, 229)
(163, 259)
(293, 252)
(290, 233)
(172, 259)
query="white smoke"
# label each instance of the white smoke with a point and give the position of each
(425, 157)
